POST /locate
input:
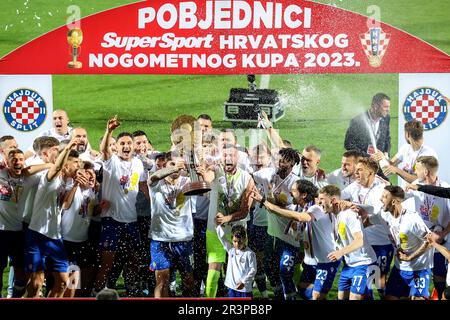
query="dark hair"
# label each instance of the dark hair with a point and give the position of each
(229, 146)
(204, 116)
(87, 165)
(447, 293)
(415, 129)
(14, 151)
(138, 133)
(305, 186)
(369, 163)
(171, 154)
(330, 190)
(41, 143)
(5, 138)
(74, 154)
(161, 155)
(124, 134)
(287, 143)
(239, 232)
(107, 294)
(352, 153)
(289, 154)
(230, 131)
(377, 99)
(395, 191)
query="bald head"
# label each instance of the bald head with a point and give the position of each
(60, 121)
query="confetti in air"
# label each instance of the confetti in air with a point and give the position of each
(36, 16)
(50, 14)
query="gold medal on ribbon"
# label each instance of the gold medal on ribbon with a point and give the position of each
(434, 213)
(282, 199)
(125, 191)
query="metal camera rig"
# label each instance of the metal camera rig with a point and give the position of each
(245, 105)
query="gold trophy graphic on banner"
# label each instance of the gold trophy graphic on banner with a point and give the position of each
(75, 38)
(188, 139)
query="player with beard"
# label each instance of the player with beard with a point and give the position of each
(410, 275)
(345, 175)
(228, 137)
(83, 147)
(350, 244)
(434, 211)
(123, 177)
(281, 247)
(367, 190)
(11, 233)
(230, 204)
(7, 143)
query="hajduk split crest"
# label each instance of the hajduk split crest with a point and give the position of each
(24, 109)
(426, 105)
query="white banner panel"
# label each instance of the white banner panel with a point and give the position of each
(421, 97)
(27, 107)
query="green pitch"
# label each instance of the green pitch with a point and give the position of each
(318, 107)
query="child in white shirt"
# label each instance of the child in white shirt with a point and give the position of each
(241, 268)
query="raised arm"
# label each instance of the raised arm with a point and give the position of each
(164, 172)
(29, 171)
(221, 235)
(403, 174)
(61, 160)
(273, 134)
(437, 191)
(80, 181)
(68, 199)
(443, 250)
(294, 215)
(104, 145)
